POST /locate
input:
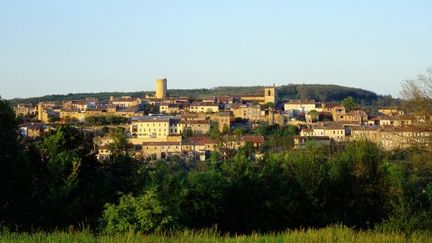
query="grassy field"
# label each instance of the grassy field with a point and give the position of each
(330, 234)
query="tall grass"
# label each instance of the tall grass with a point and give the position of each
(329, 234)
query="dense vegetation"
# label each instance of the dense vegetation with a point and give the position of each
(358, 186)
(292, 91)
(105, 120)
(328, 234)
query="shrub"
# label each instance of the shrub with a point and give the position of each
(144, 214)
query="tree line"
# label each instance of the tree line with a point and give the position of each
(321, 92)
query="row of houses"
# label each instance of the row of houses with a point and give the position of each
(389, 137)
(195, 147)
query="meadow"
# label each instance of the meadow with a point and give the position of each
(329, 234)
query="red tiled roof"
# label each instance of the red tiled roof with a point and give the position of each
(253, 138)
(163, 143)
(200, 140)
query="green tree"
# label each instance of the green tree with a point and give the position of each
(187, 132)
(14, 171)
(314, 115)
(360, 179)
(349, 103)
(144, 214)
(120, 145)
(412, 206)
(71, 182)
(214, 130)
(202, 196)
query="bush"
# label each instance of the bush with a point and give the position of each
(144, 214)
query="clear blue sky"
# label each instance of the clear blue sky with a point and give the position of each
(67, 46)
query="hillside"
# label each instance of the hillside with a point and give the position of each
(320, 92)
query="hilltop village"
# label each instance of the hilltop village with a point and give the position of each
(161, 126)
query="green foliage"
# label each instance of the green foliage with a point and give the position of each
(363, 176)
(14, 166)
(268, 105)
(214, 130)
(314, 115)
(120, 145)
(144, 213)
(105, 120)
(348, 103)
(413, 205)
(151, 109)
(187, 133)
(53, 119)
(277, 139)
(66, 179)
(202, 194)
(238, 132)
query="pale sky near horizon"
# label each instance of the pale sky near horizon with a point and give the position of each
(59, 47)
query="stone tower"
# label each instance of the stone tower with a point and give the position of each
(270, 94)
(40, 111)
(161, 88)
(224, 121)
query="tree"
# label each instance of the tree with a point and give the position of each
(151, 109)
(417, 93)
(70, 181)
(214, 130)
(202, 194)
(360, 184)
(144, 214)
(14, 171)
(348, 103)
(187, 132)
(314, 115)
(120, 144)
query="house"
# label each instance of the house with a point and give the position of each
(224, 121)
(33, 130)
(102, 145)
(154, 127)
(199, 146)
(25, 110)
(304, 106)
(355, 117)
(204, 107)
(390, 111)
(248, 112)
(125, 101)
(392, 137)
(335, 109)
(232, 142)
(161, 149)
(197, 127)
(169, 108)
(333, 130)
(371, 133)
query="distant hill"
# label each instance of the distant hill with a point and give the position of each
(321, 92)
